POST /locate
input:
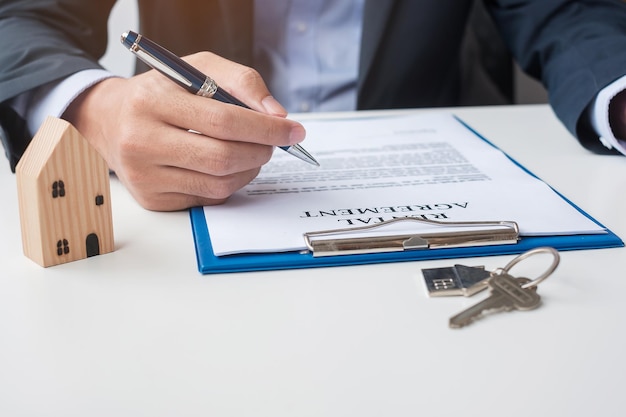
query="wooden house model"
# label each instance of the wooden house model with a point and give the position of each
(64, 197)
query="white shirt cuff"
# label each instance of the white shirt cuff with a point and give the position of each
(600, 115)
(53, 99)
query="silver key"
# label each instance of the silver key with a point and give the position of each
(455, 280)
(506, 294)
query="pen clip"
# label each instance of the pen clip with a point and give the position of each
(153, 61)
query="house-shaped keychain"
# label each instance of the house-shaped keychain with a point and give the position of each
(64, 197)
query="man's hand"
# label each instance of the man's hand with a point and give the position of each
(141, 126)
(617, 115)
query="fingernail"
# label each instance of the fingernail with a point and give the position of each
(273, 107)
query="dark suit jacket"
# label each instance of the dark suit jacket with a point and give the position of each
(414, 53)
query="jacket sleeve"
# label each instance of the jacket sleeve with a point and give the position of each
(574, 47)
(43, 41)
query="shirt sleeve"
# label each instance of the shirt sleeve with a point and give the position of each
(600, 115)
(52, 99)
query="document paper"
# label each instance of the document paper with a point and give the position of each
(428, 166)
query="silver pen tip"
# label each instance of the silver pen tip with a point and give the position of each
(300, 152)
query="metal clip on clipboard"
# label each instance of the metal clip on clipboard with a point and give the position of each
(489, 233)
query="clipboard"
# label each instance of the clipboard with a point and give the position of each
(208, 263)
(357, 251)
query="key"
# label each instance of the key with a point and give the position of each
(506, 294)
(455, 280)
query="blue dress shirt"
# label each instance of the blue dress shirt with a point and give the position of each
(308, 52)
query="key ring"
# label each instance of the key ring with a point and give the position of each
(526, 255)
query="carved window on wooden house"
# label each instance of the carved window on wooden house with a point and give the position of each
(58, 189)
(63, 247)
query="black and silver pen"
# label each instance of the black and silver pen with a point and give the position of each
(190, 78)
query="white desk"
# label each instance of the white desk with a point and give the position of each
(139, 332)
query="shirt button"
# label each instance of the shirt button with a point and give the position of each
(305, 106)
(301, 27)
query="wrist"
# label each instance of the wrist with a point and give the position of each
(617, 115)
(93, 107)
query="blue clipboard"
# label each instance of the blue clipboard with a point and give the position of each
(208, 263)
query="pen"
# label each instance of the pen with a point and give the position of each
(190, 78)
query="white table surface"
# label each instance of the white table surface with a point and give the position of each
(139, 332)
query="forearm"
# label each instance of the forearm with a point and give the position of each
(574, 48)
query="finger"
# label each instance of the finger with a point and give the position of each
(229, 122)
(168, 188)
(217, 157)
(241, 81)
(171, 146)
(205, 186)
(177, 201)
(165, 101)
(211, 117)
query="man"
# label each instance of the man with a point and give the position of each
(409, 55)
